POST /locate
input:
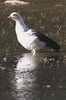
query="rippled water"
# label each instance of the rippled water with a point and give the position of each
(24, 76)
(34, 77)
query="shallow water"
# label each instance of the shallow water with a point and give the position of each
(24, 76)
(34, 77)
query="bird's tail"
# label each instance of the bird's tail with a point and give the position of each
(53, 45)
(49, 42)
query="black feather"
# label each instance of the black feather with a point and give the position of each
(49, 42)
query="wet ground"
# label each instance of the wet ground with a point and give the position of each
(24, 76)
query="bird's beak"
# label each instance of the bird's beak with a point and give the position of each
(9, 17)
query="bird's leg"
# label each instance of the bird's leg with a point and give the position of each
(34, 51)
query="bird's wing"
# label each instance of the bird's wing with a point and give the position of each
(49, 42)
(31, 32)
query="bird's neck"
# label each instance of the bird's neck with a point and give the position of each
(21, 24)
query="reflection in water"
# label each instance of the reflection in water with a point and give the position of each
(32, 76)
(26, 63)
(25, 77)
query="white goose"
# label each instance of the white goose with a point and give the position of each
(29, 38)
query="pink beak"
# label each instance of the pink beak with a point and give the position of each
(9, 17)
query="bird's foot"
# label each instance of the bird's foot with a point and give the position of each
(33, 52)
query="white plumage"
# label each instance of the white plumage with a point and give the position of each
(30, 38)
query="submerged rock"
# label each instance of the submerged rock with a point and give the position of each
(15, 2)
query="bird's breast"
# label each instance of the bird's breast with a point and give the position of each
(29, 40)
(26, 40)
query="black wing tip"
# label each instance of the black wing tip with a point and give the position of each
(49, 42)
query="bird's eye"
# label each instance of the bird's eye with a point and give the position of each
(14, 14)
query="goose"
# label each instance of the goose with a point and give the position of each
(29, 38)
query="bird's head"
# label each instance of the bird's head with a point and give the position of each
(15, 16)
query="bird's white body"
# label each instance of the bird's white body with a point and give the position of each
(27, 38)
(30, 38)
